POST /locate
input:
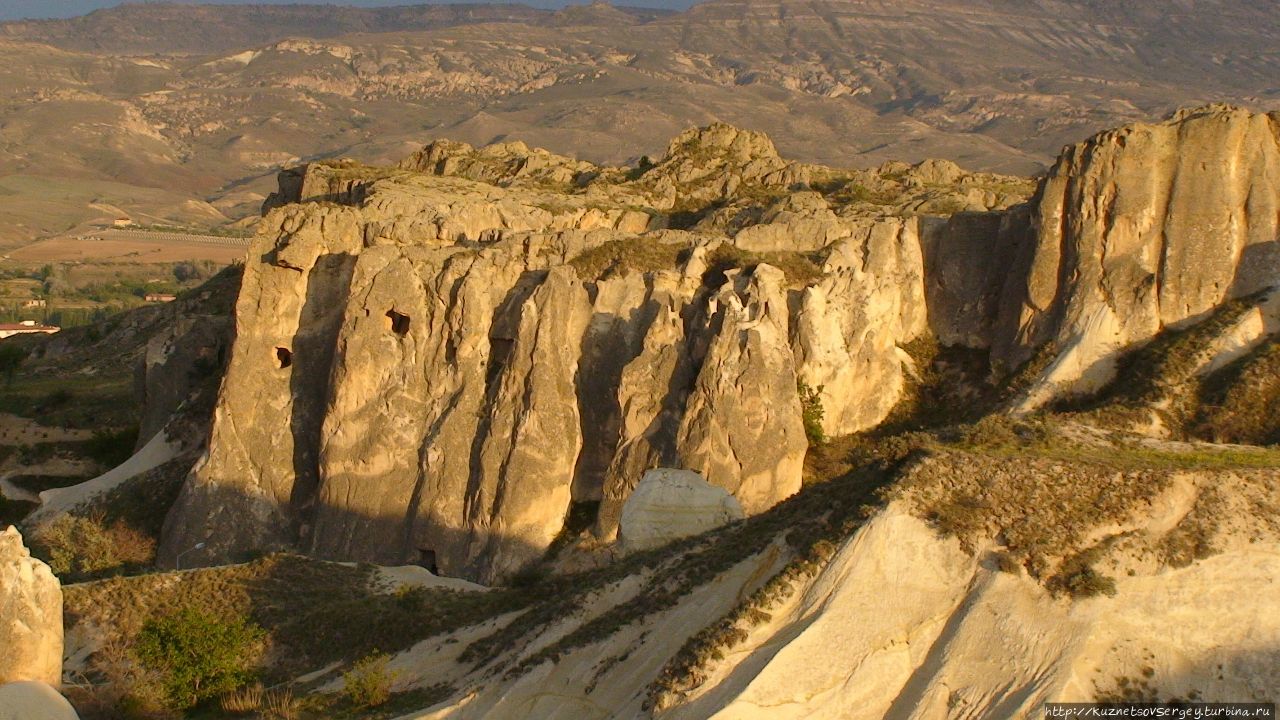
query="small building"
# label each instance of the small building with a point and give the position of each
(34, 303)
(123, 222)
(160, 297)
(26, 327)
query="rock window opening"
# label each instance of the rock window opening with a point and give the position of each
(284, 357)
(399, 322)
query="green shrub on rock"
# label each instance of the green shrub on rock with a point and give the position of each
(812, 412)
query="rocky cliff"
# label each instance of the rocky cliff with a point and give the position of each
(1138, 229)
(441, 359)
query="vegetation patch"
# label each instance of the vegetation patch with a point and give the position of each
(1237, 404)
(313, 612)
(812, 412)
(368, 683)
(81, 548)
(619, 257)
(1159, 379)
(198, 655)
(799, 268)
(1044, 494)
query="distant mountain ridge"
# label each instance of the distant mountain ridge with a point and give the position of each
(206, 103)
(204, 29)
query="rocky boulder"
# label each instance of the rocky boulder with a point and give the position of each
(670, 504)
(31, 700)
(30, 616)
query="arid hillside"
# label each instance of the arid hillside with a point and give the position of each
(183, 114)
(500, 432)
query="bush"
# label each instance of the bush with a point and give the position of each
(128, 691)
(1081, 581)
(368, 683)
(111, 448)
(78, 548)
(11, 358)
(812, 412)
(198, 654)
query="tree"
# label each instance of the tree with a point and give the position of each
(199, 655)
(11, 358)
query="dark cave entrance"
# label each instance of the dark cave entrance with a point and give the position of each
(427, 559)
(399, 322)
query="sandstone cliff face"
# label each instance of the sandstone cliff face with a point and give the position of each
(852, 324)
(439, 359)
(744, 397)
(435, 368)
(30, 615)
(1138, 229)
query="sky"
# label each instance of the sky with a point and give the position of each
(18, 9)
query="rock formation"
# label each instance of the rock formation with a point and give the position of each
(440, 359)
(1138, 229)
(444, 361)
(30, 615)
(30, 700)
(671, 504)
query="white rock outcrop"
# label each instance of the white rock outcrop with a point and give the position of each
(438, 368)
(670, 504)
(964, 635)
(32, 700)
(30, 615)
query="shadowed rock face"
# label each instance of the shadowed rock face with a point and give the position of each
(440, 363)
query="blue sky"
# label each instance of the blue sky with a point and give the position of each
(17, 9)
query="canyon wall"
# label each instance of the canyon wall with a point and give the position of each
(434, 362)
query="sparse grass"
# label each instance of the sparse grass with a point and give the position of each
(618, 257)
(1043, 493)
(1159, 378)
(1128, 454)
(396, 704)
(799, 268)
(1237, 404)
(845, 191)
(39, 483)
(72, 401)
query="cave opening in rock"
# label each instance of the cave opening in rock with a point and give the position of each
(427, 559)
(399, 322)
(284, 357)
